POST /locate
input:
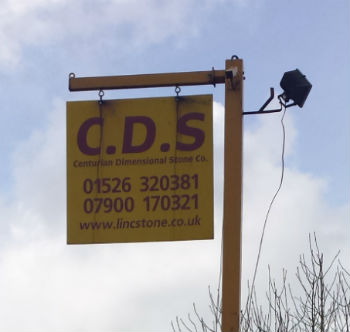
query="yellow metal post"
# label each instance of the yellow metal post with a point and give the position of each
(231, 283)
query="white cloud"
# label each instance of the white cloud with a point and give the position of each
(88, 25)
(39, 172)
(47, 285)
(301, 208)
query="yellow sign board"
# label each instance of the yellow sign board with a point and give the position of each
(140, 170)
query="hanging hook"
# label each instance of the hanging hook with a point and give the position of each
(101, 94)
(177, 91)
(70, 77)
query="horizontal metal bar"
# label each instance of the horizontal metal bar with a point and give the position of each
(146, 80)
(263, 112)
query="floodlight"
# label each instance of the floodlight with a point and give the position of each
(296, 89)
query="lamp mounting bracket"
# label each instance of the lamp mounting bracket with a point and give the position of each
(281, 99)
(262, 108)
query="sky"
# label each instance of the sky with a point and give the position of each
(46, 284)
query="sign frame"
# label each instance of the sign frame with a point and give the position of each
(232, 77)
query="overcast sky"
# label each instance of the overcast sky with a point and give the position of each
(47, 285)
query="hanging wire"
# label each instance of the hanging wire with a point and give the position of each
(250, 295)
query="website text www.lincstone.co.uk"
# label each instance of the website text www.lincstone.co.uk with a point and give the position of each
(121, 223)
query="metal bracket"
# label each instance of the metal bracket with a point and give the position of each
(262, 108)
(212, 76)
(280, 97)
(232, 74)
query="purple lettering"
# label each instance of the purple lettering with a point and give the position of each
(82, 136)
(196, 133)
(150, 126)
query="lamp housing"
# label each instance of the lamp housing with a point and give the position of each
(296, 87)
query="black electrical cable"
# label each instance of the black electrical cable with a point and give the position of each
(268, 211)
(265, 221)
